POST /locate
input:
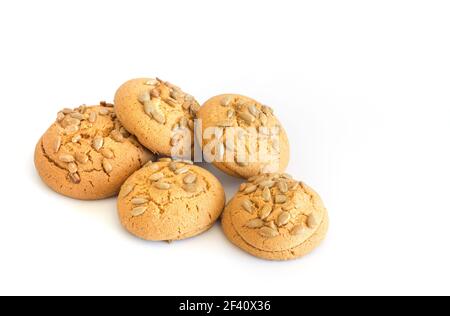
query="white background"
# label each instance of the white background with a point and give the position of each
(362, 88)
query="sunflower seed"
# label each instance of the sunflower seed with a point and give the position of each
(250, 189)
(72, 167)
(162, 185)
(288, 206)
(226, 101)
(195, 107)
(127, 189)
(81, 158)
(144, 97)
(75, 178)
(57, 144)
(267, 110)
(171, 102)
(60, 116)
(139, 201)
(242, 187)
(159, 117)
(190, 178)
(151, 82)
(71, 129)
(280, 199)
(107, 166)
(230, 113)
(267, 184)
(297, 230)
(107, 153)
(103, 111)
(283, 186)
(267, 195)
(247, 117)
(312, 221)
(97, 143)
(265, 211)
(272, 225)
(255, 223)
(67, 111)
(117, 136)
(268, 232)
(247, 205)
(138, 211)
(242, 163)
(173, 166)
(92, 117)
(253, 110)
(76, 139)
(156, 176)
(66, 158)
(283, 219)
(155, 93)
(182, 170)
(191, 187)
(293, 186)
(263, 118)
(77, 116)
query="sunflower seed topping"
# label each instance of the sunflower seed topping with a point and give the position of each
(190, 178)
(138, 211)
(81, 158)
(57, 144)
(66, 158)
(297, 230)
(75, 178)
(283, 219)
(162, 185)
(97, 143)
(268, 232)
(139, 201)
(255, 223)
(248, 206)
(265, 211)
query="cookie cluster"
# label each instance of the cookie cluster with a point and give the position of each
(141, 149)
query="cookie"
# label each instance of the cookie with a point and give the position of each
(160, 114)
(87, 154)
(170, 200)
(276, 218)
(247, 140)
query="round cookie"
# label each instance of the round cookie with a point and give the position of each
(170, 200)
(160, 114)
(250, 139)
(276, 218)
(87, 154)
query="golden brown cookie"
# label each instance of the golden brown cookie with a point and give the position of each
(160, 114)
(249, 139)
(87, 154)
(276, 218)
(170, 200)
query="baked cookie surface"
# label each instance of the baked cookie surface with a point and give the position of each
(252, 140)
(159, 113)
(276, 218)
(87, 154)
(170, 200)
